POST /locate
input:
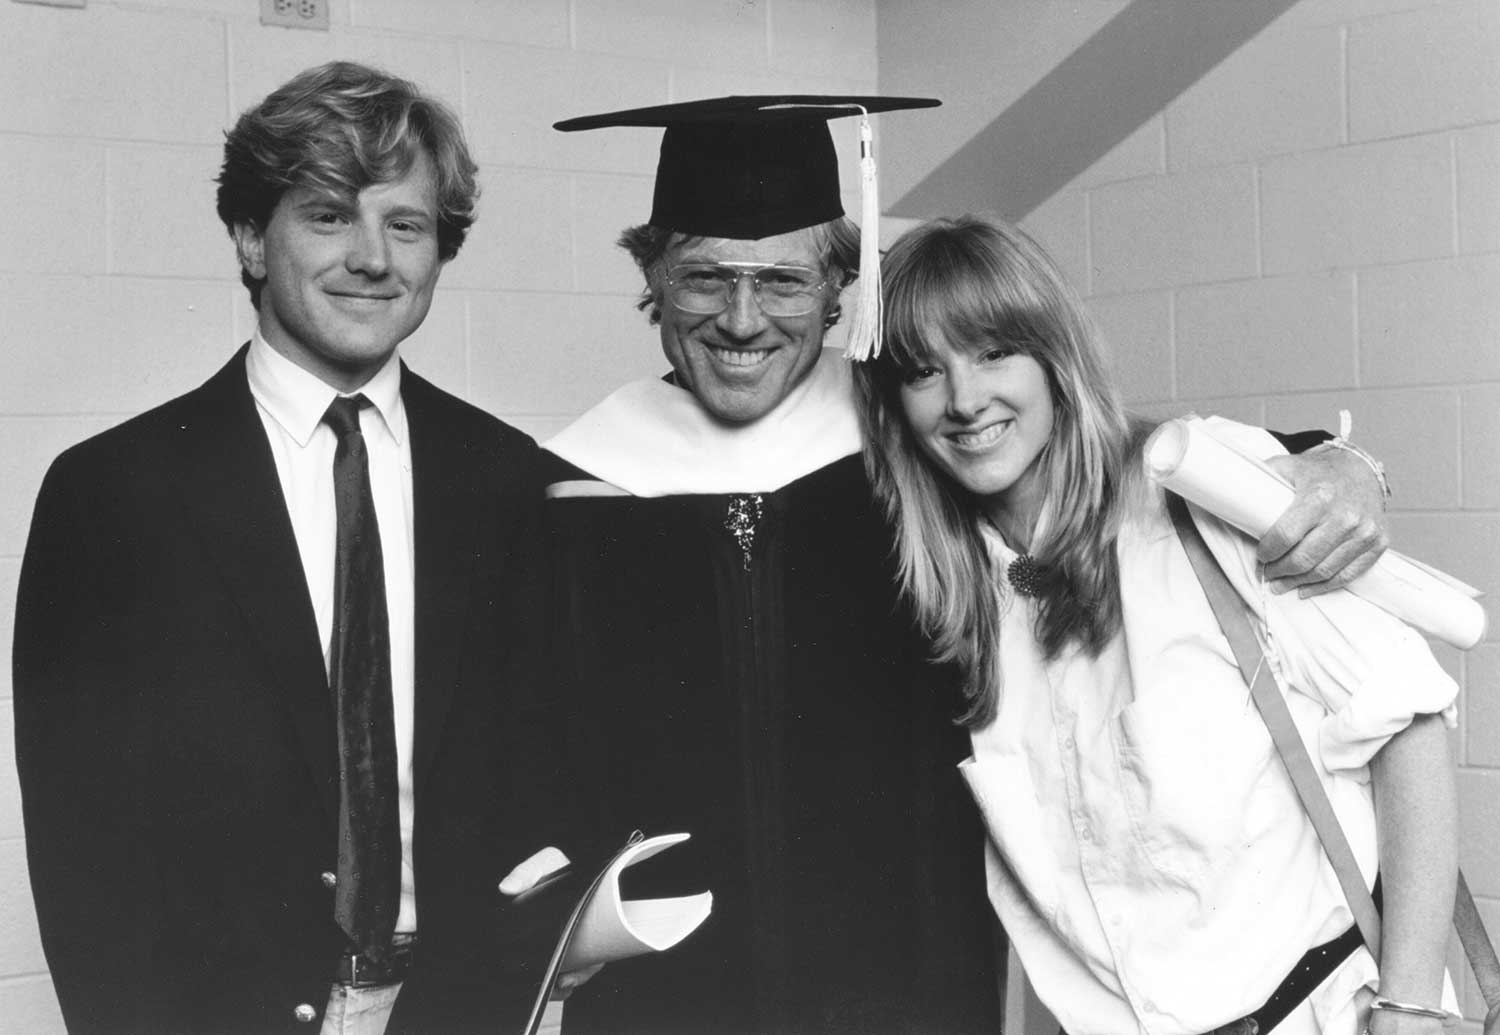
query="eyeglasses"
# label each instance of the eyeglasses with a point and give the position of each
(706, 288)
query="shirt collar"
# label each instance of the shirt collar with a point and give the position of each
(651, 438)
(296, 399)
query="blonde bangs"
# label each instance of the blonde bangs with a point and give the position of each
(961, 283)
(940, 290)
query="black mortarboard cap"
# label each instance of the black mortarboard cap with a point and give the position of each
(753, 167)
(746, 167)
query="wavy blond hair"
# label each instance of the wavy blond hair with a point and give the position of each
(970, 280)
(342, 127)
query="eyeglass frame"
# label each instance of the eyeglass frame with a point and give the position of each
(753, 271)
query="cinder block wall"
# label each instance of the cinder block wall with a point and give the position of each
(119, 289)
(1314, 225)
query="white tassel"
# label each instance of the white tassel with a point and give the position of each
(868, 323)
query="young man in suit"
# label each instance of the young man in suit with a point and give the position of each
(276, 742)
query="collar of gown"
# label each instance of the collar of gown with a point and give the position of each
(651, 438)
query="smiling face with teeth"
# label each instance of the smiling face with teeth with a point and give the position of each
(742, 363)
(983, 413)
(346, 278)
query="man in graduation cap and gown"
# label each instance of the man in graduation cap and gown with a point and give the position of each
(729, 630)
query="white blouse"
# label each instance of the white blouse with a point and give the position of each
(1147, 853)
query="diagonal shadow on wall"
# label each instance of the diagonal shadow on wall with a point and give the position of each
(1127, 72)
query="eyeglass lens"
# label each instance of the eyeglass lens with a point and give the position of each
(781, 290)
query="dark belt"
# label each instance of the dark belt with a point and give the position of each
(1314, 966)
(1311, 970)
(356, 970)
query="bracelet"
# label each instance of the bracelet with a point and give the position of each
(1341, 441)
(1382, 1003)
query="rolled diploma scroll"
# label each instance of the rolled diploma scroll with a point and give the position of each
(1185, 456)
(604, 928)
(614, 929)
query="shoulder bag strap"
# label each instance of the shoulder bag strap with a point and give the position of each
(1230, 610)
(1480, 950)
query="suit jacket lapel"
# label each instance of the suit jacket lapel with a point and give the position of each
(446, 525)
(234, 495)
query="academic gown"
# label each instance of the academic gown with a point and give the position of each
(764, 692)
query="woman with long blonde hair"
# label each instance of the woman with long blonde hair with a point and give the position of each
(1147, 853)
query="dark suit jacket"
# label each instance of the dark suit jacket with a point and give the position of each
(174, 731)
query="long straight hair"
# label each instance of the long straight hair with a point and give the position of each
(966, 281)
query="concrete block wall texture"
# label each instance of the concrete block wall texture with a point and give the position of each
(1312, 225)
(1322, 231)
(119, 288)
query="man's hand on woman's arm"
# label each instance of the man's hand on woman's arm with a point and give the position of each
(1335, 529)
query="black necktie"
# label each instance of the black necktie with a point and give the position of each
(368, 892)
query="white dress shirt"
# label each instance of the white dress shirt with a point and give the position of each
(291, 403)
(1148, 855)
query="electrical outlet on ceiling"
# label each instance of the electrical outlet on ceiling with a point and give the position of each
(295, 14)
